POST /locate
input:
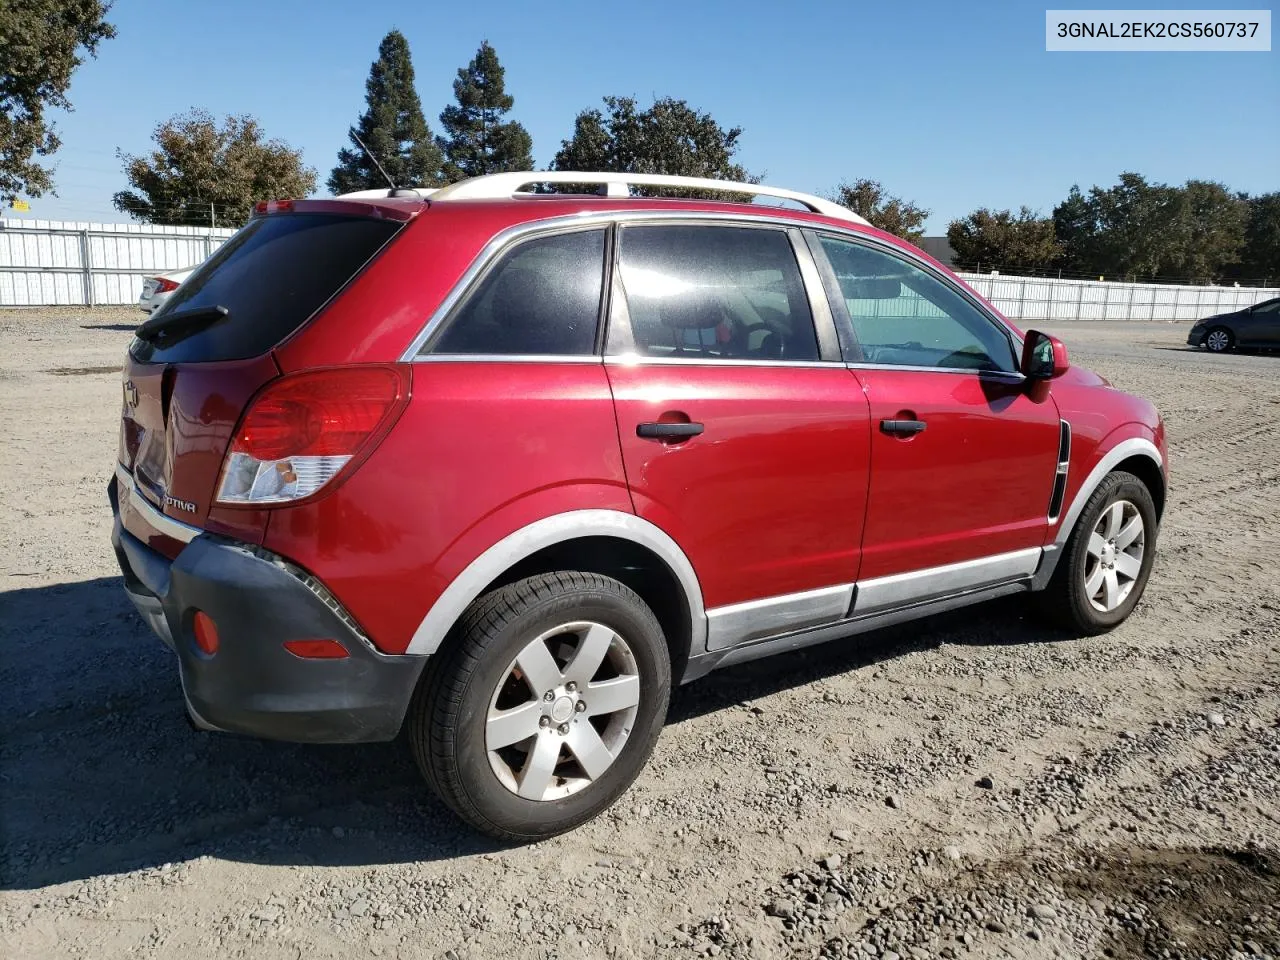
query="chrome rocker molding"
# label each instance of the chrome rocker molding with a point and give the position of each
(756, 619)
(883, 593)
(703, 664)
(126, 488)
(504, 554)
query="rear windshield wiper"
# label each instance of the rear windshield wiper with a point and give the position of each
(183, 321)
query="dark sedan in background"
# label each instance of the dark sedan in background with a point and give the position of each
(1257, 326)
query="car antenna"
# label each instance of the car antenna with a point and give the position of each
(394, 191)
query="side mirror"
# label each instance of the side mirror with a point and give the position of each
(1043, 357)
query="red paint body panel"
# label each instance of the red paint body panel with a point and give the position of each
(976, 482)
(482, 450)
(770, 498)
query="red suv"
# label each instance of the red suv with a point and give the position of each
(508, 465)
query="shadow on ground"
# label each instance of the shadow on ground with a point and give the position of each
(100, 772)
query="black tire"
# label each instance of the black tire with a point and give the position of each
(1222, 336)
(447, 719)
(1065, 600)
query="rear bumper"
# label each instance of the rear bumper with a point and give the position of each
(252, 684)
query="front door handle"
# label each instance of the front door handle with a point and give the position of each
(662, 430)
(902, 428)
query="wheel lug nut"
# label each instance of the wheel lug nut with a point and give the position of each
(581, 705)
(571, 686)
(549, 696)
(564, 728)
(544, 721)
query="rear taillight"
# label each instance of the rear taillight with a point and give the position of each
(304, 429)
(165, 285)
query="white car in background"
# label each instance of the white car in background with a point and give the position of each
(157, 289)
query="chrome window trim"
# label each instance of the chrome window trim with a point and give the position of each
(595, 218)
(509, 358)
(756, 619)
(640, 360)
(1004, 375)
(160, 522)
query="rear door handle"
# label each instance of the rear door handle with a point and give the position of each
(661, 430)
(902, 428)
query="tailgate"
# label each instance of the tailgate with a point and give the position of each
(176, 422)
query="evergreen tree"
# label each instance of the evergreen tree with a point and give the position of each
(392, 127)
(477, 140)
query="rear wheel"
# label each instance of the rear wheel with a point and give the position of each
(1219, 340)
(1107, 559)
(546, 707)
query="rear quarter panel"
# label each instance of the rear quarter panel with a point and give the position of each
(482, 450)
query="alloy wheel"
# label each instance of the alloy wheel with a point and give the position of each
(563, 710)
(1217, 341)
(1114, 555)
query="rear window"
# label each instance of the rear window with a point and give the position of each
(271, 276)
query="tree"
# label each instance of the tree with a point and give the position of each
(1073, 228)
(670, 137)
(1004, 239)
(199, 167)
(868, 199)
(1261, 254)
(477, 140)
(1125, 230)
(1208, 232)
(42, 43)
(392, 127)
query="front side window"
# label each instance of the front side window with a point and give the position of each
(903, 315)
(541, 297)
(712, 293)
(1268, 306)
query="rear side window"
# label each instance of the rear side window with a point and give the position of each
(272, 277)
(542, 297)
(712, 293)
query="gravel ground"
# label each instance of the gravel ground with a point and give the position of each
(968, 786)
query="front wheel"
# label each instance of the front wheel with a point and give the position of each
(1219, 340)
(1107, 559)
(546, 707)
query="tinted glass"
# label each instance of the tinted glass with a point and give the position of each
(271, 276)
(1268, 306)
(731, 293)
(542, 297)
(903, 315)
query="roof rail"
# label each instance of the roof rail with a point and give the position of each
(501, 185)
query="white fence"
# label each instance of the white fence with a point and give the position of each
(47, 262)
(1047, 298)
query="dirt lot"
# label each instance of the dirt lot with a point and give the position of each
(828, 804)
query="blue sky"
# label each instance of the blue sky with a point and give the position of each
(952, 105)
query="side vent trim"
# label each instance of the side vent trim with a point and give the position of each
(1060, 474)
